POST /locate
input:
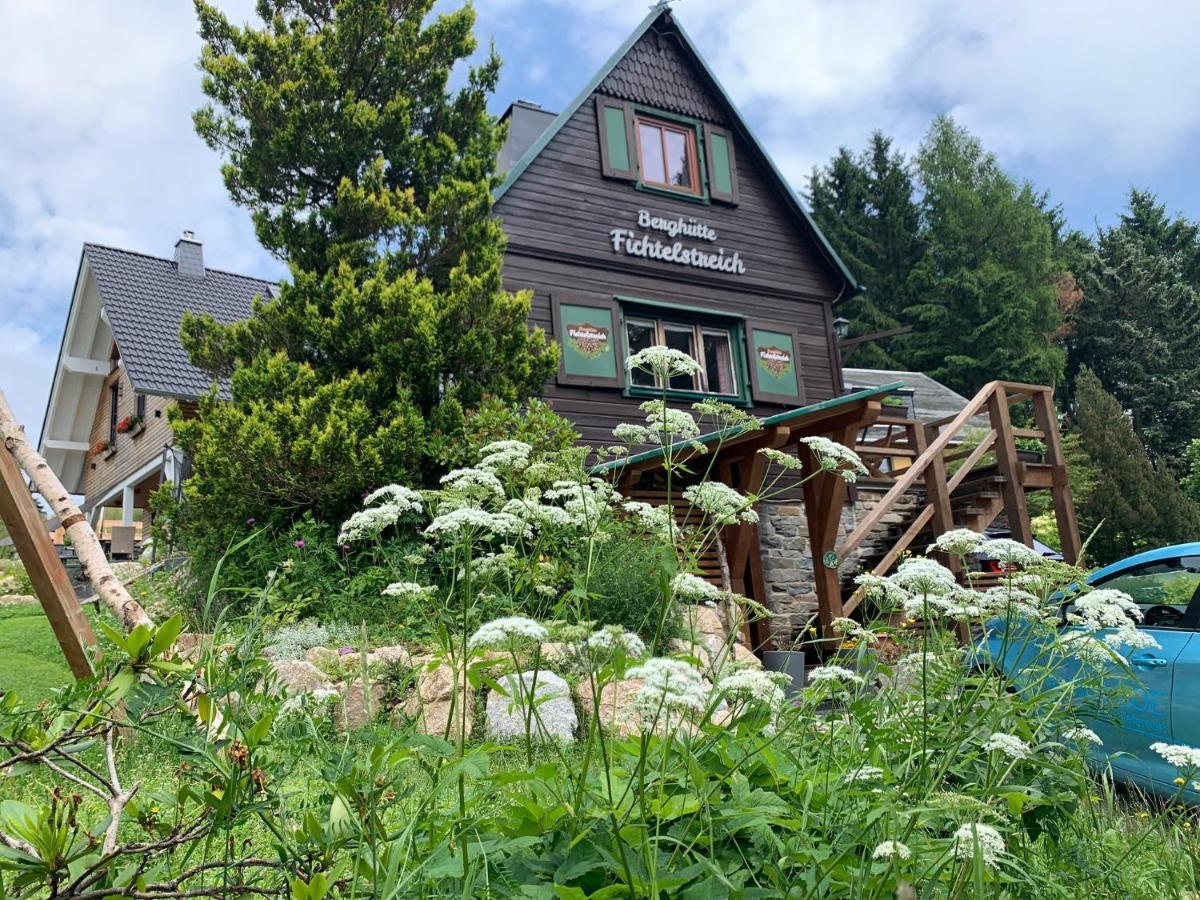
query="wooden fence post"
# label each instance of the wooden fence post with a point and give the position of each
(50, 581)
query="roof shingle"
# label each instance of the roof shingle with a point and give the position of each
(656, 73)
(145, 298)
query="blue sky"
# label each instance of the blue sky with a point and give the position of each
(1084, 99)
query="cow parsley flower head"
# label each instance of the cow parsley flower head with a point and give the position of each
(406, 499)
(507, 632)
(510, 456)
(720, 503)
(473, 481)
(1008, 744)
(407, 590)
(656, 519)
(988, 839)
(1085, 647)
(851, 629)
(633, 434)
(663, 362)
(474, 521)
(1128, 636)
(369, 523)
(836, 458)
(1179, 755)
(612, 640)
(834, 676)
(1082, 735)
(669, 686)
(692, 588)
(781, 459)
(754, 687)
(665, 423)
(891, 850)
(957, 541)
(725, 415)
(863, 773)
(884, 592)
(923, 576)
(1009, 553)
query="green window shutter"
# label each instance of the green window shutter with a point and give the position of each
(618, 147)
(588, 330)
(722, 169)
(774, 359)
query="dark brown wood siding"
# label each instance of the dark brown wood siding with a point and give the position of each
(558, 215)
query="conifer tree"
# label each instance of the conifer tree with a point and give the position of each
(1131, 505)
(986, 301)
(865, 206)
(372, 179)
(1138, 326)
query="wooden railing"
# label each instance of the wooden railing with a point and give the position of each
(912, 454)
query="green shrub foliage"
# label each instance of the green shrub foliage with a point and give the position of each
(372, 180)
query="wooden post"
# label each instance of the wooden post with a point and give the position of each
(824, 496)
(50, 580)
(937, 492)
(1060, 492)
(1006, 461)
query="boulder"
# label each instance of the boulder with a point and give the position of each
(614, 711)
(438, 697)
(297, 676)
(382, 657)
(358, 708)
(554, 717)
(191, 645)
(325, 658)
(705, 620)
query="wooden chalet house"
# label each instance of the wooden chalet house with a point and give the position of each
(647, 213)
(121, 365)
(644, 213)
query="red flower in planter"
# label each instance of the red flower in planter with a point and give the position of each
(100, 447)
(128, 423)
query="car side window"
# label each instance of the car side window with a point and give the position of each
(1162, 589)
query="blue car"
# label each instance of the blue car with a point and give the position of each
(1165, 701)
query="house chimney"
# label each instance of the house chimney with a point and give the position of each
(189, 256)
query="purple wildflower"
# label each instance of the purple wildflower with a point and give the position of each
(346, 651)
(299, 544)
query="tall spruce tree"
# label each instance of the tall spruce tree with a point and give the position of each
(1138, 325)
(865, 205)
(1131, 505)
(986, 302)
(372, 179)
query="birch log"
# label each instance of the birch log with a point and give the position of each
(87, 545)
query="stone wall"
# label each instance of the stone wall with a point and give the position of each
(787, 560)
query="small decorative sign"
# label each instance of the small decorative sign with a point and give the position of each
(830, 560)
(775, 360)
(588, 340)
(631, 243)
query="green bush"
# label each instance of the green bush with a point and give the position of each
(626, 582)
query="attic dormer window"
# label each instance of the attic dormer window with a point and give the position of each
(667, 153)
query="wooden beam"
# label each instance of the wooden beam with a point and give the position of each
(937, 492)
(1060, 491)
(50, 581)
(80, 365)
(824, 496)
(1008, 465)
(914, 472)
(56, 444)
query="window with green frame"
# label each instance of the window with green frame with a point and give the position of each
(714, 342)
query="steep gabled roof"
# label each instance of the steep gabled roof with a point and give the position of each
(145, 298)
(674, 83)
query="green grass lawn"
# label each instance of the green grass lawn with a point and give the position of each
(31, 663)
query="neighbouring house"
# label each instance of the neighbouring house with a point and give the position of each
(644, 213)
(121, 364)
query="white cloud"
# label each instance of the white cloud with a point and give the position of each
(29, 359)
(1101, 88)
(98, 146)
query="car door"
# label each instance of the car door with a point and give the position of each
(1165, 590)
(1185, 692)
